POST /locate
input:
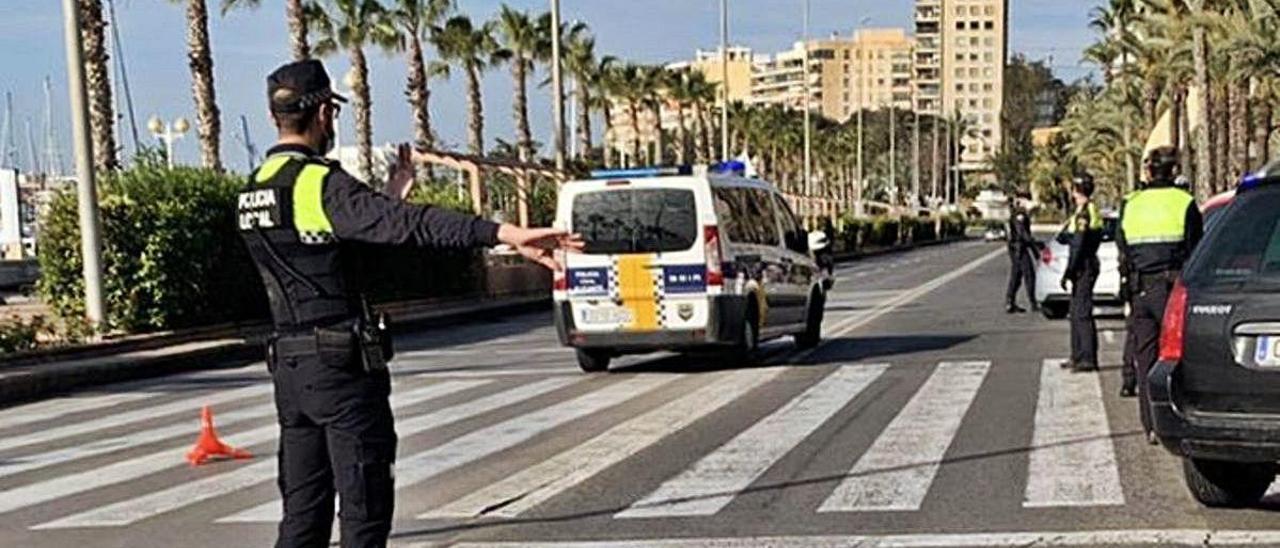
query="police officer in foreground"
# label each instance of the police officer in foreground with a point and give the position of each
(301, 217)
(1159, 227)
(1085, 228)
(1022, 245)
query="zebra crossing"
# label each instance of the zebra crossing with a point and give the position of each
(450, 423)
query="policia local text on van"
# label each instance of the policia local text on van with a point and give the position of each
(302, 217)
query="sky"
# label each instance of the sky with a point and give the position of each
(248, 44)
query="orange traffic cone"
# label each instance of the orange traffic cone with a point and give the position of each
(208, 446)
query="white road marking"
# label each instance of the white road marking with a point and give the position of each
(142, 507)
(495, 372)
(1117, 537)
(190, 404)
(1109, 336)
(532, 486)
(1073, 459)
(27, 463)
(54, 408)
(896, 472)
(714, 481)
(480, 443)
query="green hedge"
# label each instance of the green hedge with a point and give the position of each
(868, 233)
(172, 258)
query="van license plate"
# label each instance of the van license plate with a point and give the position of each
(1267, 353)
(606, 315)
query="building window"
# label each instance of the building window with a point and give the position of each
(988, 57)
(973, 57)
(989, 10)
(959, 25)
(973, 103)
(986, 133)
(973, 41)
(974, 25)
(988, 72)
(988, 41)
(959, 10)
(987, 87)
(989, 25)
(959, 104)
(959, 73)
(960, 41)
(973, 88)
(973, 10)
(986, 103)
(973, 72)
(959, 88)
(959, 57)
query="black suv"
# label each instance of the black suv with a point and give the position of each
(1215, 392)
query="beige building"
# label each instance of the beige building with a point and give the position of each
(871, 69)
(959, 69)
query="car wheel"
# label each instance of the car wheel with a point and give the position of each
(593, 361)
(1222, 484)
(812, 334)
(744, 351)
(1054, 311)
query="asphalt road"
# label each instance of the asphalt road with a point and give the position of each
(929, 418)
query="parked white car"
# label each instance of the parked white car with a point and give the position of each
(1054, 301)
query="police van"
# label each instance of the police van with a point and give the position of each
(681, 261)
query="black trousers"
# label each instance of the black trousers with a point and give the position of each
(337, 434)
(1148, 313)
(1084, 330)
(1021, 270)
(1128, 365)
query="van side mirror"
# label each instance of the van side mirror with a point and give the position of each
(818, 241)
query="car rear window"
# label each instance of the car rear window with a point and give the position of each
(636, 220)
(1243, 246)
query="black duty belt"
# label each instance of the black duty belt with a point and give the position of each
(1153, 279)
(312, 343)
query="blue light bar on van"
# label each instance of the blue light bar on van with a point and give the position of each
(642, 173)
(1252, 181)
(732, 167)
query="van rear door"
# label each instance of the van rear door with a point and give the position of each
(644, 266)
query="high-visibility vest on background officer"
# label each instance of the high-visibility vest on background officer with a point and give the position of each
(1085, 227)
(1159, 227)
(301, 217)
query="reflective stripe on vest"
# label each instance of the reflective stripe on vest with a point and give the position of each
(1095, 218)
(1156, 216)
(308, 206)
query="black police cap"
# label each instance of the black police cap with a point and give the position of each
(300, 85)
(1083, 183)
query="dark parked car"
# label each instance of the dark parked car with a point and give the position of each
(1215, 393)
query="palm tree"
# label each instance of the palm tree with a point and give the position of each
(580, 62)
(474, 51)
(526, 41)
(200, 62)
(680, 95)
(295, 13)
(98, 81)
(414, 20)
(352, 25)
(607, 87)
(653, 86)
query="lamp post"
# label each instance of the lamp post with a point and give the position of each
(808, 126)
(724, 80)
(86, 191)
(168, 133)
(557, 84)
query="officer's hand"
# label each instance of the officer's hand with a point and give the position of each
(540, 244)
(402, 173)
(1064, 283)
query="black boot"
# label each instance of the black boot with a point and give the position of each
(1014, 309)
(1128, 392)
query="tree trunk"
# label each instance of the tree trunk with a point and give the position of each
(297, 30)
(708, 149)
(699, 134)
(633, 111)
(936, 163)
(1262, 131)
(682, 137)
(475, 108)
(200, 60)
(583, 96)
(98, 80)
(1151, 96)
(659, 142)
(419, 93)
(524, 137)
(1204, 148)
(1240, 122)
(1220, 138)
(609, 134)
(364, 115)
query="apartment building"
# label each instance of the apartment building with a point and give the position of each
(959, 60)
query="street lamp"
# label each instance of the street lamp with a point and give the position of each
(168, 133)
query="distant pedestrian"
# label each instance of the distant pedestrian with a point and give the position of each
(1022, 246)
(1082, 271)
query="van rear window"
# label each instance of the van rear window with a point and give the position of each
(636, 220)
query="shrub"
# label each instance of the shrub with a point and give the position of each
(17, 335)
(170, 254)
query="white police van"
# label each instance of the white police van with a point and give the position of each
(682, 261)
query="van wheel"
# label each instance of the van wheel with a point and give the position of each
(593, 361)
(744, 351)
(1222, 484)
(812, 334)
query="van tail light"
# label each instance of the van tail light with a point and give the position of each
(1173, 329)
(560, 279)
(1046, 255)
(715, 270)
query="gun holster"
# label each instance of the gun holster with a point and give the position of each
(374, 338)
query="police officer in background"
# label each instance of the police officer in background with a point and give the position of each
(1022, 245)
(1085, 228)
(302, 217)
(1159, 227)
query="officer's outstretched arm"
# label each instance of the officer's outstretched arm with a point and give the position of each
(359, 213)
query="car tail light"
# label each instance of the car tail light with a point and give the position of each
(560, 279)
(711, 239)
(1174, 327)
(1046, 255)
